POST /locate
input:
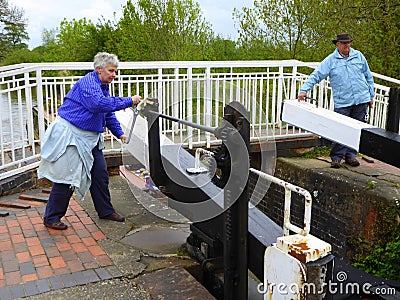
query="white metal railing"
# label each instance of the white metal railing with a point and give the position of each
(197, 91)
(289, 188)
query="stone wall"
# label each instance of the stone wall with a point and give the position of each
(350, 209)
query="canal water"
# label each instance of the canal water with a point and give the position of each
(13, 121)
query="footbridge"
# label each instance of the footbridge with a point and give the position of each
(195, 91)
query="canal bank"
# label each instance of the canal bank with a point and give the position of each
(139, 268)
(355, 209)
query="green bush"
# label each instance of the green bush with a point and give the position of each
(317, 152)
(382, 261)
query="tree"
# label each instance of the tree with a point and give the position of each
(12, 28)
(375, 24)
(292, 27)
(163, 30)
(76, 40)
(304, 29)
(224, 49)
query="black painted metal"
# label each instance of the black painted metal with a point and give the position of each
(381, 144)
(393, 116)
(156, 164)
(236, 216)
(191, 124)
(230, 228)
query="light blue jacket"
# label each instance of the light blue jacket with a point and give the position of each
(350, 78)
(66, 155)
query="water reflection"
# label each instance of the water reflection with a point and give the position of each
(13, 121)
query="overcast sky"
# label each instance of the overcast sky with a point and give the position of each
(47, 14)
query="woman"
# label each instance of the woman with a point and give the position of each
(71, 153)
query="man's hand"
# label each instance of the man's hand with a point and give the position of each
(136, 99)
(302, 96)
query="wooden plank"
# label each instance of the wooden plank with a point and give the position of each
(132, 178)
(4, 213)
(140, 183)
(46, 191)
(14, 205)
(33, 198)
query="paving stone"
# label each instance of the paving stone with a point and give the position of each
(114, 271)
(91, 276)
(43, 285)
(46, 243)
(31, 288)
(69, 255)
(17, 291)
(79, 278)
(11, 266)
(5, 293)
(56, 283)
(27, 268)
(68, 280)
(103, 274)
(52, 252)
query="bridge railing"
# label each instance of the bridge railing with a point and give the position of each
(197, 91)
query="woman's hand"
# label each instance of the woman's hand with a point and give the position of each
(136, 99)
(124, 139)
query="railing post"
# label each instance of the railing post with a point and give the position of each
(208, 104)
(293, 89)
(175, 100)
(39, 96)
(279, 96)
(189, 98)
(286, 213)
(29, 117)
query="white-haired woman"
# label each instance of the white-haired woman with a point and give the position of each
(71, 154)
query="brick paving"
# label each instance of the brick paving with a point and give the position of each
(35, 259)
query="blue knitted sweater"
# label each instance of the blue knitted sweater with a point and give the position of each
(89, 106)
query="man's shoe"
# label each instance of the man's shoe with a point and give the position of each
(55, 225)
(335, 164)
(114, 217)
(352, 162)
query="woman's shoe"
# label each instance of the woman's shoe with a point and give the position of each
(55, 225)
(114, 217)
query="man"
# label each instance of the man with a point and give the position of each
(71, 154)
(352, 89)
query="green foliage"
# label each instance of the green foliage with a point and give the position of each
(383, 261)
(155, 30)
(292, 28)
(76, 41)
(371, 185)
(23, 55)
(304, 29)
(162, 30)
(12, 29)
(317, 152)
